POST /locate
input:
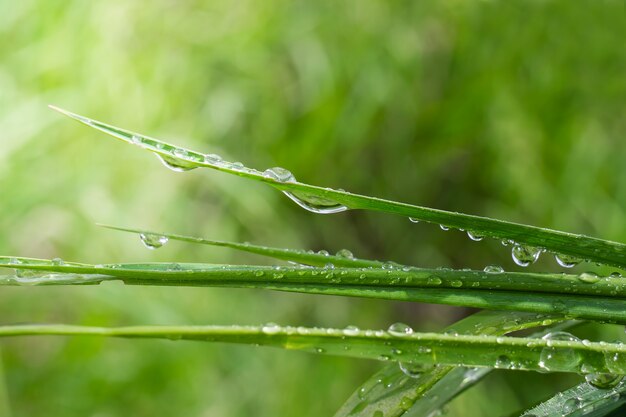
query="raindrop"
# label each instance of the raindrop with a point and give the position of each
(345, 253)
(414, 370)
(176, 164)
(561, 359)
(270, 328)
(400, 329)
(279, 174)
(493, 269)
(316, 204)
(152, 241)
(603, 381)
(351, 330)
(589, 277)
(525, 255)
(474, 236)
(566, 261)
(413, 220)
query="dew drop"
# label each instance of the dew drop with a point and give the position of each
(351, 331)
(615, 275)
(316, 204)
(152, 241)
(400, 330)
(176, 164)
(561, 359)
(616, 362)
(503, 362)
(456, 283)
(279, 174)
(566, 261)
(433, 280)
(212, 158)
(589, 277)
(444, 227)
(58, 262)
(474, 236)
(493, 269)
(572, 404)
(413, 220)
(414, 370)
(345, 253)
(270, 328)
(525, 255)
(603, 381)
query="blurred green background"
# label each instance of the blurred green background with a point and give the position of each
(509, 109)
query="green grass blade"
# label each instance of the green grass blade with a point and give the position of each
(393, 393)
(424, 348)
(326, 200)
(583, 400)
(343, 258)
(412, 284)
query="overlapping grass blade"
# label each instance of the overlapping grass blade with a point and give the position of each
(583, 401)
(506, 291)
(326, 200)
(395, 394)
(424, 348)
(343, 258)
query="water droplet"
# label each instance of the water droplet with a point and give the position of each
(414, 370)
(351, 331)
(58, 262)
(571, 405)
(212, 158)
(345, 253)
(444, 227)
(270, 328)
(566, 261)
(503, 362)
(493, 269)
(603, 381)
(474, 236)
(319, 350)
(615, 275)
(136, 139)
(279, 174)
(589, 277)
(616, 362)
(400, 329)
(456, 283)
(152, 241)
(561, 359)
(259, 273)
(316, 204)
(433, 280)
(175, 164)
(413, 220)
(525, 255)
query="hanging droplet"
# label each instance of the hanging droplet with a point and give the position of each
(400, 329)
(152, 241)
(175, 164)
(414, 370)
(525, 255)
(589, 277)
(279, 174)
(413, 220)
(493, 269)
(316, 204)
(444, 227)
(562, 359)
(567, 261)
(603, 381)
(345, 253)
(474, 236)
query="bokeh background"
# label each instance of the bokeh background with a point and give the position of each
(509, 109)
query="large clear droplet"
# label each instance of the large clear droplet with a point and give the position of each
(152, 241)
(413, 220)
(562, 359)
(400, 329)
(351, 331)
(525, 255)
(316, 204)
(175, 164)
(589, 277)
(566, 261)
(414, 370)
(603, 381)
(270, 328)
(279, 174)
(345, 253)
(474, 236)
(493, 269)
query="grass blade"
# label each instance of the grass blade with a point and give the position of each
(393, 284)
(425, 348)
(582, 400)
(292, 255)
(326, 200)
